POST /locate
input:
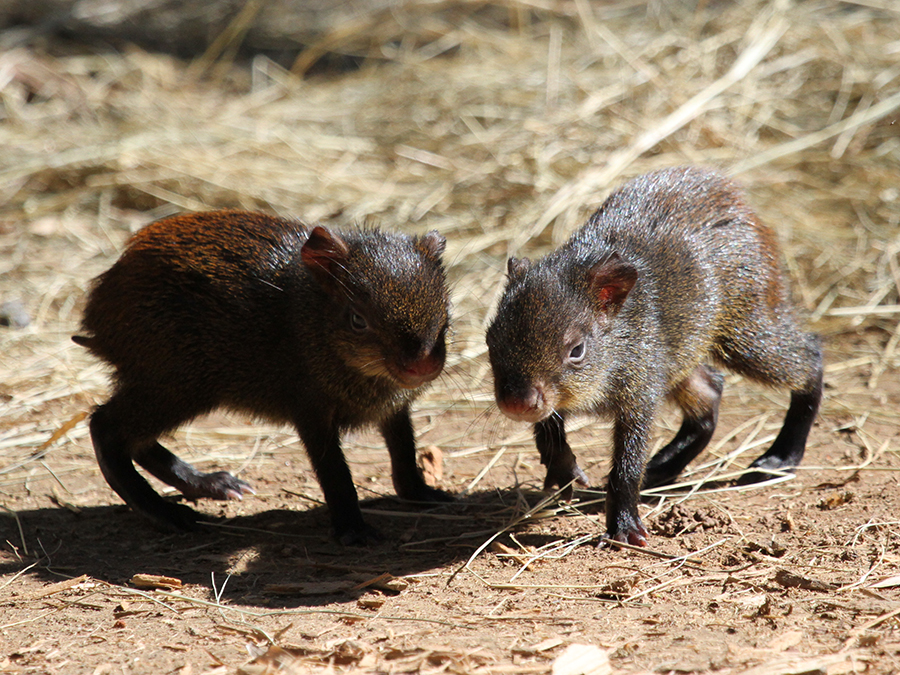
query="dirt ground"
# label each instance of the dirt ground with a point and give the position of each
(796, 577)
(503, 136)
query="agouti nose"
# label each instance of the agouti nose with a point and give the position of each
(529, 406)
(420, 371)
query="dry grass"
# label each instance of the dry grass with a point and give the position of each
(502, 126)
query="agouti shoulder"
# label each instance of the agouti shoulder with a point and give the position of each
(674, 268)
(325, 330)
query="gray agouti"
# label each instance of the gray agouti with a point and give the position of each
(672, 269)
(321, 329)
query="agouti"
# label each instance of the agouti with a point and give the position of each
(672, 269)
(324, 330)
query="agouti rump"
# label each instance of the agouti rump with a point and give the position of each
(324, 330)
(673, 269)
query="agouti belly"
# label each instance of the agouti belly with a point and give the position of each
(321, 329)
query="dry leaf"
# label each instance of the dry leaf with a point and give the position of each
(432, 459)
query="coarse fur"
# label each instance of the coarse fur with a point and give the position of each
(324, 330)
(674, 268)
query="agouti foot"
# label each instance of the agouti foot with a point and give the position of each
(218, 485)
(633, 537)
(635, 534)
(365, 535)
(423, 494)
(432, 495)
(171, 517)
(766, 464)
(559, 477)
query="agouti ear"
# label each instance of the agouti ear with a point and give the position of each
(611, 281)
(323, 253)
(516, 267)
(433, 244)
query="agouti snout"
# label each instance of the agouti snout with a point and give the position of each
(674, 268)
(324, 330)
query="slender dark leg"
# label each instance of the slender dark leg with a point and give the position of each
(323, 445)
(790, 444)
(557, 456)
(698, 397)
(114, 447)
(401, 444)
(193, 484)
(630, 435)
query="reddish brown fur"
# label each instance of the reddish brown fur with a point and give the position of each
(327, 331)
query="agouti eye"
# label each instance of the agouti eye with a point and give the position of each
(358, 321)
(577, 353)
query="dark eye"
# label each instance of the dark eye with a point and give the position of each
(358, 321)
(577, 353)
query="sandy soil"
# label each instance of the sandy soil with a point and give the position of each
(799, 577)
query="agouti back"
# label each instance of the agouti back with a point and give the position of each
(672, 269)
(321, 329)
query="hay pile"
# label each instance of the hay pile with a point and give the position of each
(502, 126)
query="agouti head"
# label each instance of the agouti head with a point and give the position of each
(554, 326)
(391, 299)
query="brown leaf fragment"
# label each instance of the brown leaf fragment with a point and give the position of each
(835, 500)
(153, 581)
(792, 580)
(432, 459)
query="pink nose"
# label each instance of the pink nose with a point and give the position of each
(529, 407)
(419, 372)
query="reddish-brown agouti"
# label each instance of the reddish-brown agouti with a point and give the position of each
(327, 331)
(673, 268)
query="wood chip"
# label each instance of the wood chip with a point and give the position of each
(153, 581)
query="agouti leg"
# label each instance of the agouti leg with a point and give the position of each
(774, 351)
(323, 445)
(401, 444)
(790, 444)
(631, 431)
(698, 396)
(114, 445)
(557, 456)
(193, 484)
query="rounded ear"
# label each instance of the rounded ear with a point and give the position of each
(323, 253)
(433, 244)
(610, 282)
(516, 267)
